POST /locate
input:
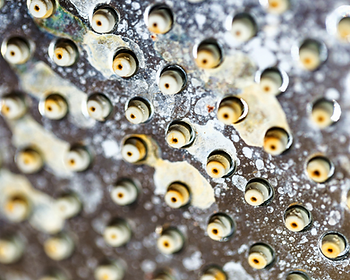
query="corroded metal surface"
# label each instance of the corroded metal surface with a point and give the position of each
(272, 46)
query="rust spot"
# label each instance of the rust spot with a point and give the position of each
(210, 108)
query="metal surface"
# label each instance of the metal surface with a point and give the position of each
(286, 173)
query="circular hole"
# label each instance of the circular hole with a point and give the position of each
(276, 141)
(138, 110)
(72, 161)
(98, 107)
(325, 112)
(159, 19)
(11, 54)
(104, 19)
(64, 52)
(134, 149)
(319, 169)
(232, 110)
(297, 275)
(272, 81)
(343, 27)
(258, 190)
(179, 134)
(220, 164)
(220, 227)
(265, 251)
(312, 54)
(172, 79)
(54, 106)
(166, 244)
(297, 218)
(125, 63)
(208, 54)
(243, 27)
(37, 8)
(334, 245)
(120, 195)
(178, 194)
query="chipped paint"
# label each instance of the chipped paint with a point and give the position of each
(39, 80)
(264, 113)
(45, 216)
(26, 132)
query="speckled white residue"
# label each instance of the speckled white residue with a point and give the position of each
(262, 56)
(26, 132)
(135, 5)
(259, 164)
(208, 139)
(236, 271)
(148, 266)
(243, 248)
(239, 181)
(169, 172)
(45, 216)
(247, 152)
(200, 19)
(193, 262)
(101, 50)
(264, 113)
(110, 148)
(89, 190)
(332, 93)
(40, 80)
(308, 206)
(334, 218)
(86, 7)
